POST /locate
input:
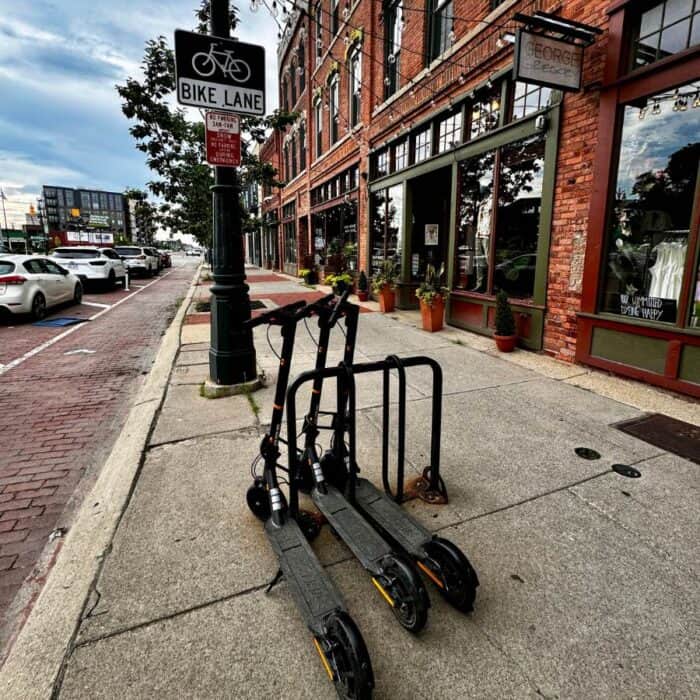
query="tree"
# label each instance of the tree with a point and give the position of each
(174, 144)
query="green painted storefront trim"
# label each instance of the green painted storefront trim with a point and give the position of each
(689, 370)
(644, 353)
(640, 323)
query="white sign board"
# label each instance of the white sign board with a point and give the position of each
(541, 60)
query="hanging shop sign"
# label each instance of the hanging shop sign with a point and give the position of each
(216, 73)
(543, 60)
(223, 139)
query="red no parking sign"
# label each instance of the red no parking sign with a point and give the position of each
(223, 138)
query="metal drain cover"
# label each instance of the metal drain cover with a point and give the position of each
(587, 453)
(626, 470)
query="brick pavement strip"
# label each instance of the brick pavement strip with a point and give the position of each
(60, 414)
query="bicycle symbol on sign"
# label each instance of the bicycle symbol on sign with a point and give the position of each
(206, 63)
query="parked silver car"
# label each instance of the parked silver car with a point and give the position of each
(31, 284)
(89, 263)
(138, 259)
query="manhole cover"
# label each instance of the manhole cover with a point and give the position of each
(626, 470)
(665, 432)
(587, 453)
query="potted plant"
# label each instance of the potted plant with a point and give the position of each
(383, 285)
(505, 324)
(362, 287)
(340, 282)
(432, 299)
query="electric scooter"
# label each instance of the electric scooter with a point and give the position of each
(335, 635)
(443, 563)
(392, 573)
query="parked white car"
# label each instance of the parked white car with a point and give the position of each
(31, 284)
(138, 259)
(94, 264)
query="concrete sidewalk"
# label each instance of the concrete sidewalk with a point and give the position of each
(589, 580)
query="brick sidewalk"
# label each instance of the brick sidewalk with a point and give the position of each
(60, 414)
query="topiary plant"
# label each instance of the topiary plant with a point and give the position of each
(505, 322)
(362, 283)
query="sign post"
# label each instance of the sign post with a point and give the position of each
(216, 72)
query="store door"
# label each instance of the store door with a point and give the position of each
(430, 215)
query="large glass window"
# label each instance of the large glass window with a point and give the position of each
(355, 84)
(400, 155)
(475, 209)
(654, 197)
(450, 132)
(393, 23)
(293, 148)
(318, 17)
(528, 99)
(518, 217)
(441, 21)
(486, 111)
(666, 28)
(318, 123)
(290, 232)
(421, 145)
(387, 208)
(333, 108)
(335, 16)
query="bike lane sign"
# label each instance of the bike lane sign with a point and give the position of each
(223, 139)
(222, 74)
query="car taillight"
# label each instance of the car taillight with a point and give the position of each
(13, 279)
(142, 257)
(98, 262)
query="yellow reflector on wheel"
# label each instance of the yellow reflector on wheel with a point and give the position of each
(380, 588)
(324, 660)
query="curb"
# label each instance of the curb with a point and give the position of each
(36, 661)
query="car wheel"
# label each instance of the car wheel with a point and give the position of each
(78, 294)
(38, 307)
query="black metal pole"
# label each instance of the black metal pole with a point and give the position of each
(231, 354)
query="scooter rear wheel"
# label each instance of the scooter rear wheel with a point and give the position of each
(455, 571)
(406, 589)
(258, 500)
(347, 656)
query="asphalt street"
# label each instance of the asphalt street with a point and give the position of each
(65, 395)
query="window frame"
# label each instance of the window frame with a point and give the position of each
(355, 95)
(334, 107)
(441, 16)
(393, 21)
(318, 132)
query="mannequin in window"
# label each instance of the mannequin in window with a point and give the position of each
(483, 242)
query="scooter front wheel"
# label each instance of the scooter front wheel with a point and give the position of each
(345, 658)
(409, 599)
(458, 577)
(258, 500)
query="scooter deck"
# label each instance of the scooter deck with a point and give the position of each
(312, 589)
(391, 519)
(363, 540)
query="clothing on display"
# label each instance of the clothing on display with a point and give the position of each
(667, 272)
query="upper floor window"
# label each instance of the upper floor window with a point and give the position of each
(355, 84)
(293, 148)
(286, 162)
(293, 83)
(302, 146)
(301, 71)
(333, 104)
(393, 23)
(400, 155)
(318, 16)
(664, 29)
(285, 100)
(450, 132)
(318, 122)
(529, 98)
(335, 16)
(422, 148)
(441, 21)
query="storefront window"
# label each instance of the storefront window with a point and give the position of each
(290, 242)
(528, 99)
(666, 28)
(486, 110)
(450, 133)
(475, 207)
(387, 223)
(422, 145)
(695, 302)
(654, 198)
(518, 217)
(335, 236)
(400, 155)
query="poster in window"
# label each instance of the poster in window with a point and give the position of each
(432, 232)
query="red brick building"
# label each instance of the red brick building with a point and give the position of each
(415, 143)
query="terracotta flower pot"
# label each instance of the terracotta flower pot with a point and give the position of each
(387, 299)
(505, 343)
(362, 296)
(432, 314)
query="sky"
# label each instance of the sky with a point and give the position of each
(60, 116)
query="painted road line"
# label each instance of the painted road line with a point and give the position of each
(95, 304)
(72, 329)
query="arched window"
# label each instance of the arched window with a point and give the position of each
(318, 126)
(302, 146)
(355, 81)
(333, 107)
(301, 68)
(284, 101)
(293, 146)
(293, 81)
